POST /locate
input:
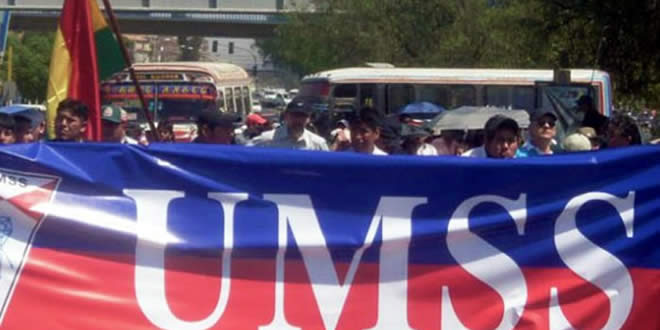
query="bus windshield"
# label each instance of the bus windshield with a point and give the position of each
(174, 101)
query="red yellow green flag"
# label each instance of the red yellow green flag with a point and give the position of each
(85, 52)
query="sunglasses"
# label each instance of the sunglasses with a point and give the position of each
(543, 122)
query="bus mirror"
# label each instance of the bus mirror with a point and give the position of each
(562, 77)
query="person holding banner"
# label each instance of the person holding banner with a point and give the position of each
(623, 132)
(71, 121)
(542, 132)
(414, 141)
(30, 126)
(502, 139)
(7, 129)
(113, 123)
(365, 132)
(216, 127)
(166, 130)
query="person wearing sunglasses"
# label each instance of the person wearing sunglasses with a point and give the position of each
(542, 132)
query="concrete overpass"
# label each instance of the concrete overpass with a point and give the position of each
(221, 18)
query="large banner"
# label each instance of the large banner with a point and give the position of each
(99, 236)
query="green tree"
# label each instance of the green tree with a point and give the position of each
(345, 33)
(621, 37)
(468, 33)
(618, 37)
(31, 59)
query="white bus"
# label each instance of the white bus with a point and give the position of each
(179, 91)
(389, 89)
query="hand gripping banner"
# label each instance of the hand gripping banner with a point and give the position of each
(96, 236)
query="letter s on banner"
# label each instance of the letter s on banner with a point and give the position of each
(610, 274)
(477, 257)
(150, 257)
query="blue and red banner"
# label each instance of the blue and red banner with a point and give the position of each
(97, 236)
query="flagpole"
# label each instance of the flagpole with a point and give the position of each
(115, 28)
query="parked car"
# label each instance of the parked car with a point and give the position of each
(256, 106)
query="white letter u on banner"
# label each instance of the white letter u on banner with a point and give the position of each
(150, 257)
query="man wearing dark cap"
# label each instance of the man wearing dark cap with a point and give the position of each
(7, 129)
(502, 139)
(293, 134)
(30, 125)
(216, 127)
(390, 136)
(414, 141)
(542, 132)
(592, 118)
(113, 123)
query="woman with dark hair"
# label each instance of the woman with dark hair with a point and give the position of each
(622, 132)
(166, 131)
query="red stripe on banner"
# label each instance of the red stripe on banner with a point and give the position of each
(36, 199)
(85, 291)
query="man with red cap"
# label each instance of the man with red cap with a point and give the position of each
(255, 126)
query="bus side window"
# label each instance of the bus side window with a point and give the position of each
(246, 100)
(221, 100)
(436, 94)
(524, 97)
(499, 96)
(368, 95)
(345, 97)
(399, 95)
(345, 91)
(239, 100)
(463, 95)
(229, 99)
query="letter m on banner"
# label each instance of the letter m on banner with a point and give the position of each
(24, 201)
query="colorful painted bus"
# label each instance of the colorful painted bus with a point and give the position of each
(178, 92)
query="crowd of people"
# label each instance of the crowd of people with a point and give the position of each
(367, 131)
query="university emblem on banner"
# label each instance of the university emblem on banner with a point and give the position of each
(24, 202)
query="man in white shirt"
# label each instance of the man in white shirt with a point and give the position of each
(293, 134)
(365, 131)
(502, 139)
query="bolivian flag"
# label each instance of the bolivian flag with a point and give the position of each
(85, 52)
